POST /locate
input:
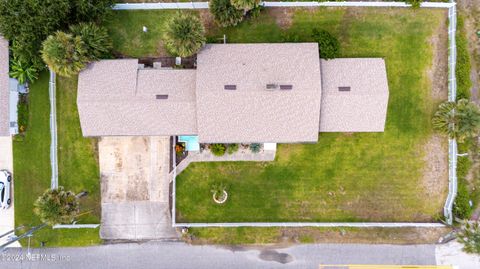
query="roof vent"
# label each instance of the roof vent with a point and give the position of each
(162, 96)
(230, 87)
(343, 89)
(271, 87)
(286, 87)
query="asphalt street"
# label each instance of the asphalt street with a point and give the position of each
(180, 255)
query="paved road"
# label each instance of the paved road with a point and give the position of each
(179, 255)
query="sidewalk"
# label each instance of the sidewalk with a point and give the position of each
(7, 221)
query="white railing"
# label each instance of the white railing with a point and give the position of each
(53, 131)
(204, 5)
(452, 86)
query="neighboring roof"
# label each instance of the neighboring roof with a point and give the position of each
(115, 97)
(361, 109)
(250, 113)
(4, 89)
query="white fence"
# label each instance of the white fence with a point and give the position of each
(452, 86)
(204, 5)
(53, 131)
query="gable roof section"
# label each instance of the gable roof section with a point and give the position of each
(4, 89)
(250, 113)
(115, 97)
(362, 107)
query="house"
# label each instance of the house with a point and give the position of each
(238, 93)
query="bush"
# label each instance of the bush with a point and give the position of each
(232, 148)
(470, 237)
(245, 4)
(328, 45)
(218, 149)
(96, 40)
(414, 3)
(23, 71)
(64, 53)
(184, 35)
(224, 13)
(462, 71)
(255, 147)
(461, 206)
(463, 166)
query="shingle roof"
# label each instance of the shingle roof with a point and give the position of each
(364, 107)
(250, 113)
(115, 97)
(4, 89)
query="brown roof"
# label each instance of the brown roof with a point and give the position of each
(4, 89)
(115, 97)
(361, 109)
(251, 113)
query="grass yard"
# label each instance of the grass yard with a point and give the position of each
(78, 168)
(344, 177)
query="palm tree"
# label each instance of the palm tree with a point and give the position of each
(246, 5)
(184, 35)
(56, 206)
(98, 43)
(64, 53)
(458, 120)
(23, 72)
(224, 13)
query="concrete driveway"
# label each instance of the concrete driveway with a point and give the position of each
(7, 220)
(135, 188)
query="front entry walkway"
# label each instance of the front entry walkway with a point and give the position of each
(135, 188)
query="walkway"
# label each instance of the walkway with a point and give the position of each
(53, 130)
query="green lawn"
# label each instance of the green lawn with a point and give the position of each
(344, 177)
(78, 168)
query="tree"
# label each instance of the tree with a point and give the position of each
(245, 5)
(184, 35)
(64, 53)
(224, 13)
(458, 120)
(57, 206)
(28, 22)
(90, 10)
(469, 236)
(328, 45)
(97, 42)
(23, 72)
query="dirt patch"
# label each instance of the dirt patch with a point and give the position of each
(435, 173)
(283, 16)
(207, 19)
(438, 73)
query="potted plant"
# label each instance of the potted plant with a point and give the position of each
(219, 193)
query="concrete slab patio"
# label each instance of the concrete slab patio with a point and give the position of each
(135, 188)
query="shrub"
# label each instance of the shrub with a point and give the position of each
(246, 5)
(22, 108)
(461, 206)
(463, 166)
(90, 10)
(470, 238)
(255, 147)
(23, 71)
(328, 45)
(56, 206)
(224, 13)
(64, 53)
(414, 3)
(96, 40)
(463, 66)
(184, 35)
(460, 120)
(218, 149)
(232, 148)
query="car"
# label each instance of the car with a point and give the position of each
(5, 187)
